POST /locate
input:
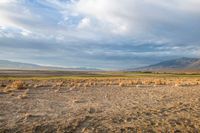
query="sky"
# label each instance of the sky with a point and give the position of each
(105, 34)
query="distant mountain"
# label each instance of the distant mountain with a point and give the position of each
(5, 64)
(181, 64)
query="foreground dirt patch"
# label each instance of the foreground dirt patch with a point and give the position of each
(100, 105)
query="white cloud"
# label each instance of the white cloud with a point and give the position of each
(110, 13)
(140, 19)
(145, 20)
(12, 32)
(25, 32)
(84, 23)
(6, 1)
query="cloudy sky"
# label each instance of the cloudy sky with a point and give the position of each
(108, 34)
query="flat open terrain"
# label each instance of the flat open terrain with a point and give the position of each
(98, 102)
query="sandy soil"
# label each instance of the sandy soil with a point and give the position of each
(76, 106)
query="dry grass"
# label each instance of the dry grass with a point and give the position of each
(24, 95)
(149, 104)
(15, 85)
(122, 84)
(107, 82)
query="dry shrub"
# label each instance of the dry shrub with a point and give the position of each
(90, 83)
(3, 85)
(189, 83)
(138, 82)
(130, 82)
(12, 94)
(36, 86)
(147, 82)
(95, 84)
(79, 85)
(160, 82)
(87, 85)
(72, 88)
(122, 84)
(71, 84)
(134, 82)
(41, 84)
(16, 85)
(106, 84)
(57, 90)
(176, 85)
(59, 83)
(24, 95)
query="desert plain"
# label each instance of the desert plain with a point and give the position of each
(98, 102)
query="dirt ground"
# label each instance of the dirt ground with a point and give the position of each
(98, 106)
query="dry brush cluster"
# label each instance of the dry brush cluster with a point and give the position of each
(9, 86)
(15, 85)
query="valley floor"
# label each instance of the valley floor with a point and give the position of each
(99, 105)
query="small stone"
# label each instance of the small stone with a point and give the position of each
(91, 110)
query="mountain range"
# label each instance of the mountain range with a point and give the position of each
(5, 64)
(180, 64)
